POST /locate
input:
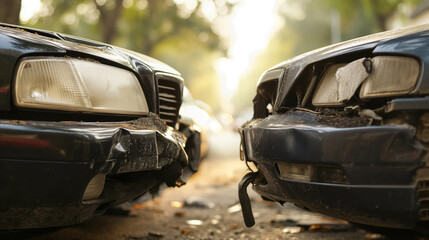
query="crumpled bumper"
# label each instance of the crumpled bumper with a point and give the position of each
(46, 167)
(377, 164)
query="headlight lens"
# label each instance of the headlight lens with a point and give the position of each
(327, 92)
(78, 85)
(391, 76)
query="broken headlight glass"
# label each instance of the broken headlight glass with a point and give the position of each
(391, 76)
(385, 76)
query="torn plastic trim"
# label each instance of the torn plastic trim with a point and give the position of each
(266, 92)
(246, 205)
(270, 75)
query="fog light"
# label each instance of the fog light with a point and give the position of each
(94, 188)
(312, 173)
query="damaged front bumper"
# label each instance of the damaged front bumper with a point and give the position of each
(47, 167)
(361, 174)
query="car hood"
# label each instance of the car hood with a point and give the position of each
(76, 44)
(384, 42)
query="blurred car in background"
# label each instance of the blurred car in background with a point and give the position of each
(84, 127)
(344, 131)
(200, 114)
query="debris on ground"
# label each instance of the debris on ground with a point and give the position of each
(194, 222)
(293, 229)
(215, 222)
(179, 214)
(197, 202)
(373, 236)
(234, 208)
(139, 206)
(156, 235)
(176, 204)
(320, 228)
(233, 226)
(185, 231)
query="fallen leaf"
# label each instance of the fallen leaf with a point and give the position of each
(179, 214)
(139, 206)
(233, 226)
(373, 236)
(156, 234)
(320, 228)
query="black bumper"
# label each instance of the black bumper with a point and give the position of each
(45, 167)
(379, 163)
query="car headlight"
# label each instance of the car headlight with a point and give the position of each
(391, 76)
(380, 76)
(77, 85)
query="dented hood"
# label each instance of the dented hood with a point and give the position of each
(72, 43)
(413, 41)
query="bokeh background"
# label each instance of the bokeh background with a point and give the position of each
(221, 47)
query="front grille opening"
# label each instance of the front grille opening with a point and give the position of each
(424, 214)
(423, 194)
(423, 199)
(169, 93)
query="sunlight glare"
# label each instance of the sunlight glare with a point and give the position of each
(252, 23)
(28, 9)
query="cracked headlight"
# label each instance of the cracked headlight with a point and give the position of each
(385, 76)
(391, 76)
(77, 85)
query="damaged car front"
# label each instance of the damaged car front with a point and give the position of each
(344, 131)
(84, 126)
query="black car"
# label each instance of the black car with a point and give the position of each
(344, 131)
(84, 126)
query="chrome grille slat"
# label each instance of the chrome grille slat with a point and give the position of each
(168, 114)
(167, 88)
(166, 95)
(169, 99)
(167, 108)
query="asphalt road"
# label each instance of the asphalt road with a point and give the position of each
(207, 208)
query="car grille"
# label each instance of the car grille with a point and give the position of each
(169, 92)
(423, 199)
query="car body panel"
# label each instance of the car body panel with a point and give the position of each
(50, 157)
(385, 42)
(26, 43)
(72, 153)
(360, 159)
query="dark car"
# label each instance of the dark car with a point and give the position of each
(344, 131)
(84, 126)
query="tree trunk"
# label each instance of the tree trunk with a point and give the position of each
(9, 11)
(108, 20)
